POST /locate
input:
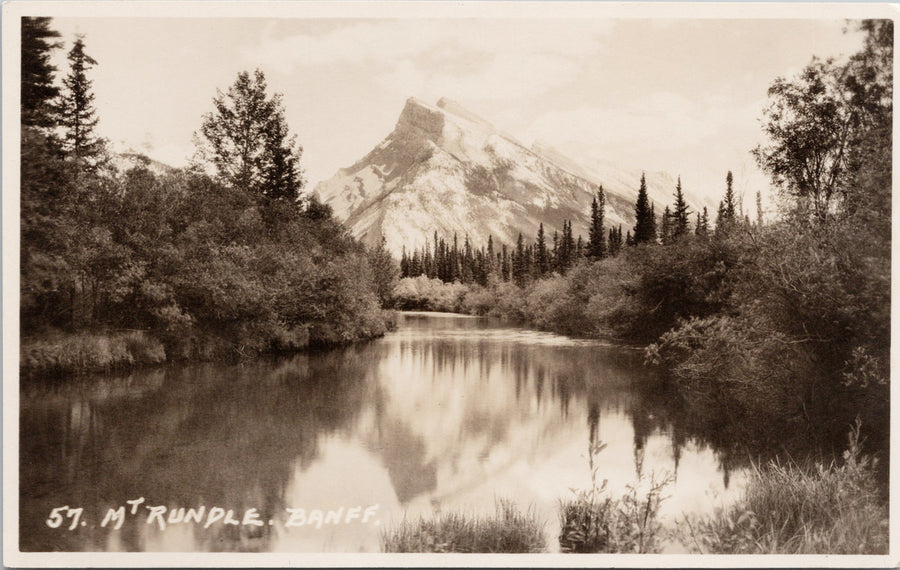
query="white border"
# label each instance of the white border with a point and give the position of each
(12, 11)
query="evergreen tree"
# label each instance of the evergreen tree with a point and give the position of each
(77, 114)
(645, 226)
(702, 228)
(542, 261)
(666, 231)
(628, 239)
(556, 264)
(730, 204)
(596, 237)
(505, 267)
(519, 267)
(38, 89)
(759, 209)
(680, 222)
(246, 140)
(489, 256)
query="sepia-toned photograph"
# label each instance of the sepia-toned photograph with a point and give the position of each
(409, 283)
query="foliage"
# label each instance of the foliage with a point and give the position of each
(77, 114)
(596, 238)
(509, 531)
(246, 139)
(816, 121)
(85, 352)
(791, 509)
(593, 521)
(38, 89)
(645, 226)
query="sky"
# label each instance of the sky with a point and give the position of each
(680, 95)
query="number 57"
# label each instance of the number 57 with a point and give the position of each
(56, 519)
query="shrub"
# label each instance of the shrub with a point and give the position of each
(594, 522)
(84, 353)
(791, 509)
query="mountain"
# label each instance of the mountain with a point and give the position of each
(444, 169)
(127, 160)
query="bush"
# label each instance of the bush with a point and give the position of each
(594, 522)
(789, 509)
(508, 531)
(84, 353)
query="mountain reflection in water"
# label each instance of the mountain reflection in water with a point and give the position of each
(446, 413)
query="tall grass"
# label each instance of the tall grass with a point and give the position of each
(84, 353)
(593, 521)
(508, 531)
(791, 509)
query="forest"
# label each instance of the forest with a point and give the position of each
(782, 317)
(125, 263)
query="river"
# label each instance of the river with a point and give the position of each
(447, 413)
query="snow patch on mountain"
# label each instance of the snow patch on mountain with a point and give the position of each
(444, 169)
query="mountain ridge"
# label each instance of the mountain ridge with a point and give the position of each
(444, 169)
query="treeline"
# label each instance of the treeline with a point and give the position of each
(445, 260)
(138, 264)
(522, 264)
(775, 330)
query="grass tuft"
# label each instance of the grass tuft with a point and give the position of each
(593, 522)
(792, 509)
(508, 531)
(85, 353)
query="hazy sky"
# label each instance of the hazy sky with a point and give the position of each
(677, 95)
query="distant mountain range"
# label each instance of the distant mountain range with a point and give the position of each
(444, 169)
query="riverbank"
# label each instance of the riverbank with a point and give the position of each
(785, 509)
(59, 354)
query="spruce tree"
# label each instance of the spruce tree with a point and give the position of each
(519, 267)
(645, 226)
(666, 230)
(489, 257)
(730, 205)
(680, 222)
(556, 257)
(39, 92)
(542, 262)
(596, 237)
(77, 114)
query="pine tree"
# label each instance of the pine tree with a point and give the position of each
(246, 140)
(77, 114)
(38, 89)
(596, 237)
(645, 226)
(680, 222)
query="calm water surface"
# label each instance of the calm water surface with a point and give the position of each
(448, 412)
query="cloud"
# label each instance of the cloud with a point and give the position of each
(467, 59)
(381, 41)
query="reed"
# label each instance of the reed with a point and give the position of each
(509, 530)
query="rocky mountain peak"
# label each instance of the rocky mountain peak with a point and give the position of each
(444, 169)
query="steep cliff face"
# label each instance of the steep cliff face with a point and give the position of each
(444, 169)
